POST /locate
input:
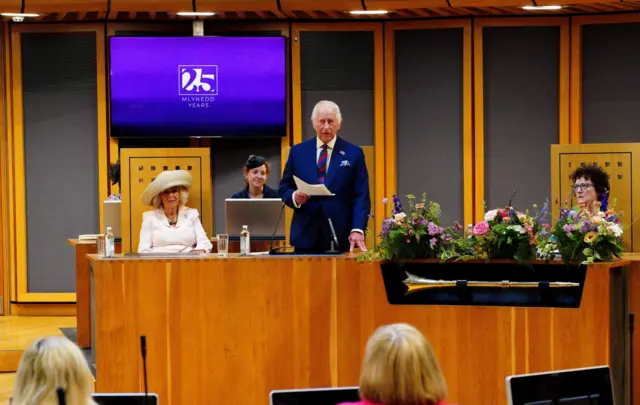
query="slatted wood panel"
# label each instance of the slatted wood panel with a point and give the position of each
(141, 166)
(91, 10)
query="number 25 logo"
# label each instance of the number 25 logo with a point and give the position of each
(199, 80)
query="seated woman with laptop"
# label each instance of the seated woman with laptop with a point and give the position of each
(256, 170)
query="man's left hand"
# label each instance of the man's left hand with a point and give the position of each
(357, 239)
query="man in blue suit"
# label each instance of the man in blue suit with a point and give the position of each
(339, 165)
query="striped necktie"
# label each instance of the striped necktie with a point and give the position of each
(322, 165)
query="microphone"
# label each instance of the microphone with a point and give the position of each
(61, 398)
(143, 350)
(271, 249)
(335, 239)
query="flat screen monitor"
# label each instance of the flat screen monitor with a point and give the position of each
(585, 386)
(197, 86)
(314, 396)
(125, 399)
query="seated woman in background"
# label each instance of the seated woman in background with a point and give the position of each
(256, 171)
(400, 368)
(591, 188)
(48, 364)
(171, 227)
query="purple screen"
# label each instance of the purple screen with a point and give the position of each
(197, 86)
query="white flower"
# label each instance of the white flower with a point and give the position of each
(490, 215)
(517, 228)
(616, 229)
(399, 217)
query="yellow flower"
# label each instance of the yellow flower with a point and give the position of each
(590, 237)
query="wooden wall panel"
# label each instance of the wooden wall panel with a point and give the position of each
(151, 5)
(54, 6)
(10, 6)
(236, 5)
(311, 5)
(391, 5)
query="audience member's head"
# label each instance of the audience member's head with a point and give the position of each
(48, 364)
(400, 368)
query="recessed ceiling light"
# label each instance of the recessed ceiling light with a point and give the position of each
(369, 12)
(196, 13)
(24, 15)
(541, 7)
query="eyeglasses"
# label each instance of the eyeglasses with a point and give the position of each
(581, 187)
(172, 191)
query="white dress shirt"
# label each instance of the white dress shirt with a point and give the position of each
(156, 235)
(330, 146)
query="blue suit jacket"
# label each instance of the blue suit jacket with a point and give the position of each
(347, 178)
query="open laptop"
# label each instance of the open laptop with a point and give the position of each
(134, 398)
(584, 386)
(259, 214)
(314, 396)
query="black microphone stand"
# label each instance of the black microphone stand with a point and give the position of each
(143, 349)
(334, 238)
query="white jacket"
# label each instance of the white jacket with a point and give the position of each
(156, 235)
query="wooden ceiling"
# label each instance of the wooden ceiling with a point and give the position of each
(141, 10)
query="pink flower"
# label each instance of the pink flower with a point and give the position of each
(503, 213)
(481, 228)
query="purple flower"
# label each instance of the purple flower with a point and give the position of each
(457, 227)
(433, 241)
(568, 228)
(588, 227)
(386, 227)
(397, 204)
(433, 229)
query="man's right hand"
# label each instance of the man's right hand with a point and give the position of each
(300, 198)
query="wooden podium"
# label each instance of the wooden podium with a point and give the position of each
(237, 328)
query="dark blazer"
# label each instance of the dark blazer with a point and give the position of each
(268, 192)
(347, 178)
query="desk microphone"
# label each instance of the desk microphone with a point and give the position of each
(271, 249)
(143, 350)
(335, 240)
(61, 397)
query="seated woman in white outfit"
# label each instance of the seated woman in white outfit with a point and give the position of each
(171, 227)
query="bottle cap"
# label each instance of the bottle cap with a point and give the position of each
(244, 227)
(108, 228)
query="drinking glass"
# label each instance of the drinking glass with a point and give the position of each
(223, 244)
(102, 248)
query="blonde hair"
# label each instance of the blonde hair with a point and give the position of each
(184, 198)
(400, 368)
(48, 364)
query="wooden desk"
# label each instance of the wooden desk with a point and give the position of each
(83, 288)
(237, 328)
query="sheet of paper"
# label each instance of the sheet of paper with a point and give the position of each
(311, 189)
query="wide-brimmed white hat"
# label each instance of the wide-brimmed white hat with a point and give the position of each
(164, 181)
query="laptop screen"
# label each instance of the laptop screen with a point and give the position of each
(125, 399)
(315, 396)
(586, 386)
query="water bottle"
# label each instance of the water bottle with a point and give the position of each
(245, 241)
(469, 231)
(109, 243)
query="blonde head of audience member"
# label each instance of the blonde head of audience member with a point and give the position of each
(400, 368)
(48, 364)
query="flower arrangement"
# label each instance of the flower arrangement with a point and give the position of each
(415, 234)
(588, 234)
(505, 233)
(582, 234)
